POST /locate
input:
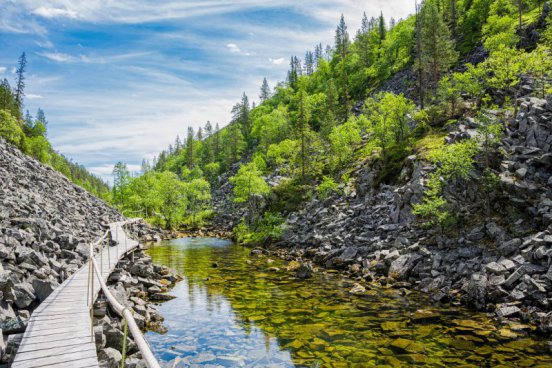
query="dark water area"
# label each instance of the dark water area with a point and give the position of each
(233, 310)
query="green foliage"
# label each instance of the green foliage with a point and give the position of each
(212, 171)
(266, 228)
(539, 64)
(344, 139)
(327, 187)
(389, 115)
(454, 161)
(38, 147)
(288, 196)
(10, 128)
(248, 182)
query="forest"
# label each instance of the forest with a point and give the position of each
(389, 91)
(30, 134)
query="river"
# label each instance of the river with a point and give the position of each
(233, 310)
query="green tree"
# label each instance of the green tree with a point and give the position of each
(436, 49)
(248, 184)
(389, 117)
(265, 91)
(20, 80)
(10, 129)
(121, 179)
(344, 139)
(198, 195)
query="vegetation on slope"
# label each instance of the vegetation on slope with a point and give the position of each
(30, 134)
(312, 130)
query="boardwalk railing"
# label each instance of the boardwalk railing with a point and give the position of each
(59, 333)
(123, 311)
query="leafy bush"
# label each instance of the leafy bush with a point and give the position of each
(327, 187)
(453, 161)
(10, 129)
(266, 228)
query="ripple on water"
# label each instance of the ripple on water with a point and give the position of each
(255, 314)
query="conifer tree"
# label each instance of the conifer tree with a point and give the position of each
(435, 49)
(381, 27)
(190, 148)
(216, 143)
(265, 91)
(20, 80)
(309, 63)
(342, 39)
(365, 26)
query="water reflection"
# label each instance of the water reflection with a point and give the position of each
(235, 311)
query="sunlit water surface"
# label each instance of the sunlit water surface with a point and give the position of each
(232, 310)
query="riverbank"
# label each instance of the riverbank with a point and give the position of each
(137, 284)
(236, 307)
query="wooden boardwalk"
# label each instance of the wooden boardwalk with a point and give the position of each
(58, 333)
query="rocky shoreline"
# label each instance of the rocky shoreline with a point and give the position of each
(138, 284)
(499, 262)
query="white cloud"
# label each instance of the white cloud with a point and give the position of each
(57, 56)
(3, 69)
(32, 96)
(47, 12)
(233, 48)
(45, 44)
(278, 61)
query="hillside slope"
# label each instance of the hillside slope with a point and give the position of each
(46, 224)
(498, 261)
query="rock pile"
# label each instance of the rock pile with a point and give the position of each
(46, 224)
(136, 284)
(500, 262)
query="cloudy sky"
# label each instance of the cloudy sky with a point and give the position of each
(119, 79)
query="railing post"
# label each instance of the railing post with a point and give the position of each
(108, 252)
(124, 342)
(92, 306)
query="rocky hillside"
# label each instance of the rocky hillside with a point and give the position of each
(498, 259)
(46, 223)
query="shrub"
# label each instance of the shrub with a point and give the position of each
(327, 187)
(10, 129)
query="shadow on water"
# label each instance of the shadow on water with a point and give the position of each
(237, 311)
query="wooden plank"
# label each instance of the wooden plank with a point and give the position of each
(55, 352)
(41, 361)
(50, 344)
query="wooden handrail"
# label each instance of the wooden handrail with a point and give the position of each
(123, 311)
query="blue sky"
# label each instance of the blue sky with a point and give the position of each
(119, 80)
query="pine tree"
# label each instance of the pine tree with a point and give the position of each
(392, 23)
(381, 27)
(245, 119)
(265, 91)
(216, 143)
(365, 26)
(342, 39)
(302, 130)
(20, 80)
(208, 129)
(293, 74)
(199, 134)
(435, 49)
(309, 63)
(190, 148)
(318, 54)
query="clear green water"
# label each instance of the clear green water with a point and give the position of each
(242, 313)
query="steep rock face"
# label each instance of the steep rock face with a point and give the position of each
(46, 224)
(500, 261)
